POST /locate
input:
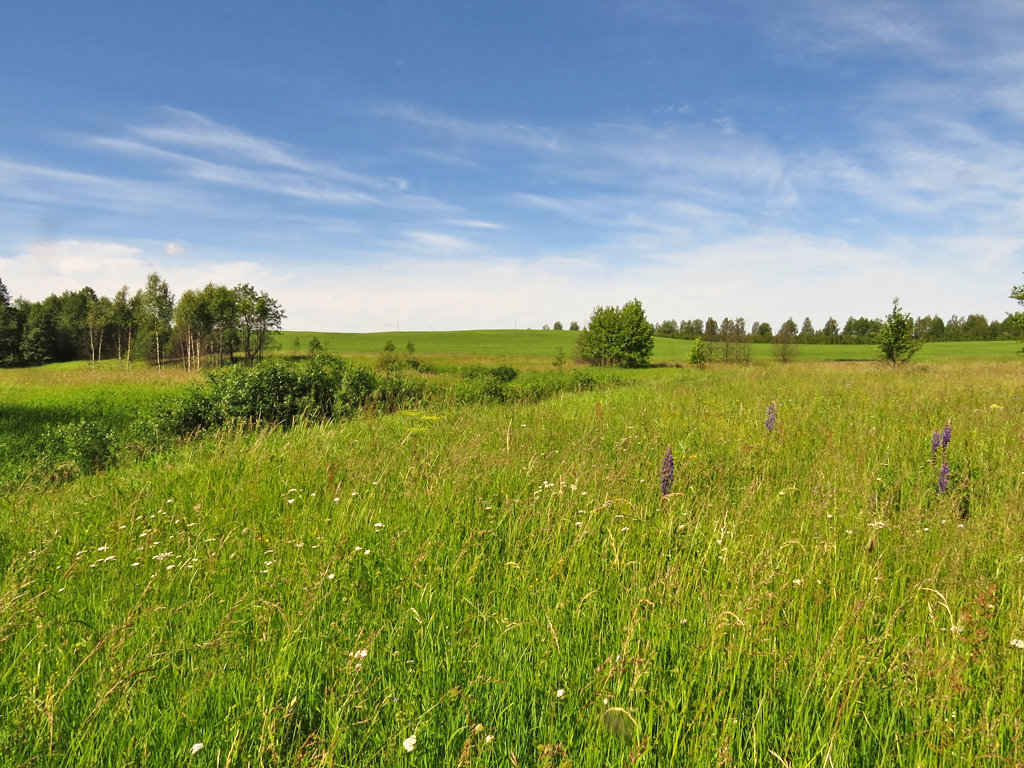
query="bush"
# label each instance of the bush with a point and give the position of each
(357, 388)
(700, 354)
(503, 373)
(620, 337)
(194, 410)
(270, 392)
(82, 446)
(896, 342)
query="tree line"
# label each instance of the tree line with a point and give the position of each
(859, 330)
(211, 325)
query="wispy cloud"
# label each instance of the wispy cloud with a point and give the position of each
(475, 224)
(191, 129)
(468, 131)
(195, 130)
(282, 183)
(49, 185)
(439, 242)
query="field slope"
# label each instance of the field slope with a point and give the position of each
(520, 346)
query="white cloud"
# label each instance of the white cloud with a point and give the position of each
(174, 249)
(59, 186)
(439, 242)
(475, 224)
(67, 265)
(191, 129)
(767, 276)
(501, 133)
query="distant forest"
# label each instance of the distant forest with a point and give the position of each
(211, 325)
(858, 330)
(217, 324)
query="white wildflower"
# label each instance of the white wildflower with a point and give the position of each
(1017, 643)
(196, 747)
(409, 744)
(560, 693)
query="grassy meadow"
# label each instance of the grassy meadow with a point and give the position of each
(537, 349)
(507, 584)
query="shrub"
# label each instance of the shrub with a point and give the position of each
(84, 446)
(357, 387)
(896, 342)
(700, 354)
(615, 336)
(503, 373)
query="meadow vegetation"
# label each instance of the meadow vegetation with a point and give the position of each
(503, 579)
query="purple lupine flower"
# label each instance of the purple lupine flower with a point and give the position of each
(947, 433)
(668, 470)
(769, 422)
(936, 439)
(944, 477)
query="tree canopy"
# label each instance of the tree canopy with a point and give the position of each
(146, 324)
(896, 340)
(618, 336)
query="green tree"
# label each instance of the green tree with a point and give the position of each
(895, 339)
(1017, 294)
(830, 331)
(40, 339)
(761, 332)
(617, 336)
(559, 360)
(156, 307)
(10, 330)
(193, 324)
(222, 303)
(700, 354)
(125, 319)
(97, 318)
(667, 328)
(784, 342)
(258, 316)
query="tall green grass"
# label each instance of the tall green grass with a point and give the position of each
(41, 407)
(318, 595)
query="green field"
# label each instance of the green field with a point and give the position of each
(542, 346)
(507, 583)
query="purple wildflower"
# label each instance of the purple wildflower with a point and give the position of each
(769, 422)
(944, 477)
(668, 467)
(936, 439)
(947, 433)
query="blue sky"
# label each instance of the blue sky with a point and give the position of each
(443, 164)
